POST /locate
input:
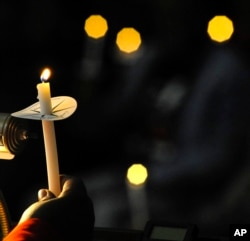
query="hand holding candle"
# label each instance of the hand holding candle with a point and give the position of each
(44, 97)
(48, 110)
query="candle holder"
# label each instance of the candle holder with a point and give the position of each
(49, 110)
(13, 135)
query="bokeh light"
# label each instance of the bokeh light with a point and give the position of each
(220, 28)
(96, 26)
(128, 40)
(137, 174)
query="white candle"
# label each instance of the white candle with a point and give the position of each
(44, 98)
(49, 137)
(137, 175)
(51, 156)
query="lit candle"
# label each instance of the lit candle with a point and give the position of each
(137, 175)
(49, 134)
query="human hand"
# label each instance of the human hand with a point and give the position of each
(71, 214)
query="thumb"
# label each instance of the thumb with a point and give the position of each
(45, 194)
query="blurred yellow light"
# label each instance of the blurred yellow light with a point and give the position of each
(220, 28)
(137, 174)
(96, 26)
(128, 40)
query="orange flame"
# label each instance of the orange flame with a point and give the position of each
(46, 73)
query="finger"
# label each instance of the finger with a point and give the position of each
(63, 179)
(45, 194)
(72, 186)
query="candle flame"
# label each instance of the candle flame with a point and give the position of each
(46, 73)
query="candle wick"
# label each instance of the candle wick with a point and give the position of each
(44, 80)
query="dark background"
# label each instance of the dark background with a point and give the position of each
(177, 101)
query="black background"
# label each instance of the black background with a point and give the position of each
(117, 122)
